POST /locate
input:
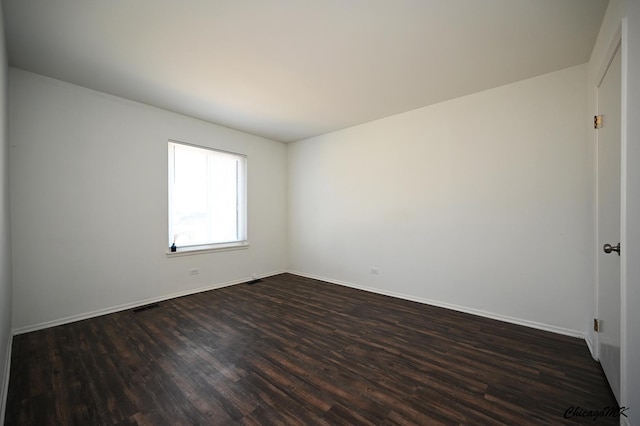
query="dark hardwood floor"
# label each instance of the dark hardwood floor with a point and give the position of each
(291, 350)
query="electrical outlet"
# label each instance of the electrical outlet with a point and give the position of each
(194, 271)
(375, 271)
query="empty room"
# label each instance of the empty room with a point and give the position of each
(320, 212)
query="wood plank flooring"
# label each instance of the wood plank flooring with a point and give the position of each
(291, 350)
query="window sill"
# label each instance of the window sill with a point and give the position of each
(213, 248)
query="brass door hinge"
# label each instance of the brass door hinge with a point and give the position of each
(597, 121)
(596, 325)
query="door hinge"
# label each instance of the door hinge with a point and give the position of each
(597, 121)
(596, 325)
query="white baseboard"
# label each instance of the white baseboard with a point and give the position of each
(588, 337)
(4, 391)
(126, 306)
(472, 311)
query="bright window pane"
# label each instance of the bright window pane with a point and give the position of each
(206, 196)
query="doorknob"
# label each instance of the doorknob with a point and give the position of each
(608, 248)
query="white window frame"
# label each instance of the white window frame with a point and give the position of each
(241, 206)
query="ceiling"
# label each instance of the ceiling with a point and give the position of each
(291, 69)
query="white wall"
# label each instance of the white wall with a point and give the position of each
(484, 203)
(5, 246)
(630, 360)
(89, 202)
(631, 291)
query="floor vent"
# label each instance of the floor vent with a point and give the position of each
(145, 307)
(252, 282)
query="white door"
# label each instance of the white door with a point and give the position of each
(609, 139)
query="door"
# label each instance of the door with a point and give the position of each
(609, 160)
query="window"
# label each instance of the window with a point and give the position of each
(207, 198)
